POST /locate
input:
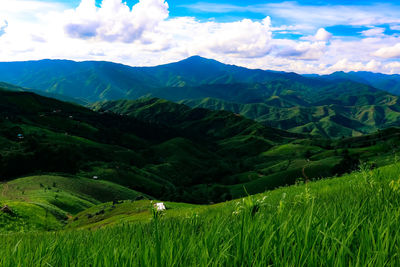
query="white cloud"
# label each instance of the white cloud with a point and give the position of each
(374, 32)
(312, 48)
(291, 28)
(304, 51)
(244, 38)
(392, 68)
(389, 52)
(114, 21)
(314, 15)
(147, 24)
(146, 35)
(395, 27)
(322, 35)
(348, 65)
(29, 11)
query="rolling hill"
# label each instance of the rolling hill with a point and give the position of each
(48, 136)
(341, 104)
(334, 111)
(78, 185)
(353, 218)
(153, 146)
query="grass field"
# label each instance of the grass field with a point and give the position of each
(45, 202)
(348, 221)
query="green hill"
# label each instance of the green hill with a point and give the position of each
(78, 186)
(345, 109)
(45, 202)
(152, 146)
(177, 117)
(158, 149)
(48, 136)
(348, 220)
(11, 87)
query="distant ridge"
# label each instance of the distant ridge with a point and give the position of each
(386, 82)
(331, 106)
(99, 80)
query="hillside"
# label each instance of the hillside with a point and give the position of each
(330, 222)
(341, 104)
(46, 202)
(100, 171)
(284, 160)
(152, 146)
(48, 136)
(342, 109)
(11, 87)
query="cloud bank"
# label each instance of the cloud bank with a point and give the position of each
(146, 34)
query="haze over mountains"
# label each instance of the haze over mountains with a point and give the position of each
(332, 106)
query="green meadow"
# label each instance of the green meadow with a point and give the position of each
(342, 221)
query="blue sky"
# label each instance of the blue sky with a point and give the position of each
(302, 36)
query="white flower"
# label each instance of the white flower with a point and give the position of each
(159, 206)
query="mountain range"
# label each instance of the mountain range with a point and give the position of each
(93, 81)
(329, 106)
(389, 83)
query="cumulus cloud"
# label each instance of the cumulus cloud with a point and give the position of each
(304, 51)
(392, 68)
(348, 65)
(146, 35)
(322, 35)
(114, 20)
(148, 23)
(389, 52)
(244, 38)
(313, 49)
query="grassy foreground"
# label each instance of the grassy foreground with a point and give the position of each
(347, 221)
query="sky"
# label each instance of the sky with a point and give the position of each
(295, 36)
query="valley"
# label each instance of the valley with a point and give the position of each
(235, 153)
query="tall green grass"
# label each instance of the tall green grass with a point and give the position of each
(349, 221)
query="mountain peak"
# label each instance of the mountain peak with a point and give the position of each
(199, 60)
